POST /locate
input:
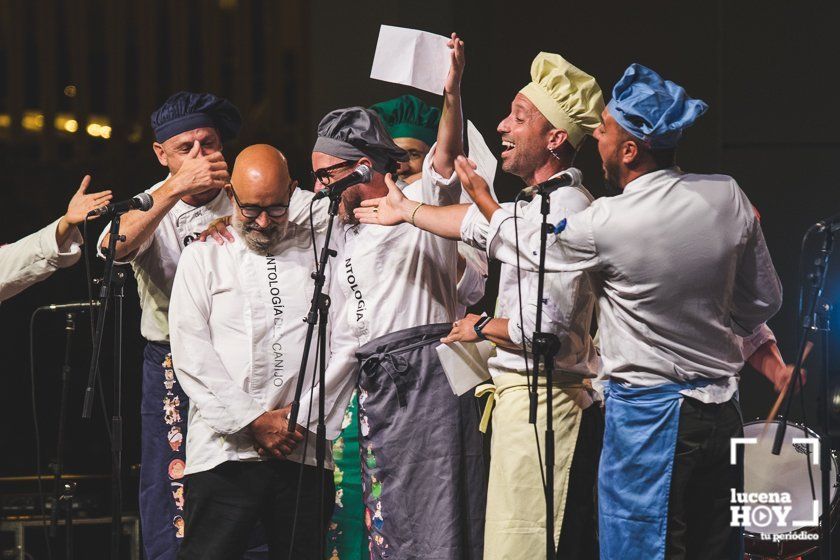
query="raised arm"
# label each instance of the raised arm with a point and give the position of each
(197, 174)
(450, 137)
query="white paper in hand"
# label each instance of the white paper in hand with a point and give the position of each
(465, 364)
(411, 57)
(482, 156)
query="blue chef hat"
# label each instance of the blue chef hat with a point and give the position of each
(651, 108)
(187, 111)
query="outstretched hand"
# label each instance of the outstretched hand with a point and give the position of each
(388, 210)
(82, 203)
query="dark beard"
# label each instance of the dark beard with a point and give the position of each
(350, 200)
(611, 182)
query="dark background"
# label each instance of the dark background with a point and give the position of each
(768, 71)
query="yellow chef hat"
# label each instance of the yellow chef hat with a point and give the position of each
(567, 96)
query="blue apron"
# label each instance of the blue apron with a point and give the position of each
(634, 476)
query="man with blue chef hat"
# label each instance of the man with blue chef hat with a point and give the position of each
(682, 271)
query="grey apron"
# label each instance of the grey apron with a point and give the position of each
(423, 473)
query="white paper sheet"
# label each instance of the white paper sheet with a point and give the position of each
(465, 364)
(411, 57)
(482, 156)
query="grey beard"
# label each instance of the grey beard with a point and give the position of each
(261, 245)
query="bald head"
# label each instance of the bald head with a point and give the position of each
(260, 178)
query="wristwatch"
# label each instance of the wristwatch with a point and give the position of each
(479, 326)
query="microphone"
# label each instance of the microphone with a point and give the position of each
(142, 201)
(832, 222)
(568, 177)
(362, 174)
(73, 306)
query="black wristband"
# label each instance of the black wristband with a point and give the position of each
(479, 326)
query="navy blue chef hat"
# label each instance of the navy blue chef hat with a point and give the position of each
(187, 111)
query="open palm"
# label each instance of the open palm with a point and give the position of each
(388, 210)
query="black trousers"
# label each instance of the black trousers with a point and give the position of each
(224, 504)
(698, 509)
(578, 535)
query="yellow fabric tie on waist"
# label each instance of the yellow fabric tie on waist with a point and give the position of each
(480, 391)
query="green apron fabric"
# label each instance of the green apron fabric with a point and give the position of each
(346, 539)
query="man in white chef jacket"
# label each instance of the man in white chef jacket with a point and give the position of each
(683, 273)
(237, 333)
(548, 121)
(422, 466)
(190, 130)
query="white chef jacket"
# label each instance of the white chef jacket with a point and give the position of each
(399, 277)
(33, 258)
(681, 270)
(392, 278)
(156, 261)
(471, 284)
(568, 296)
(237, 335)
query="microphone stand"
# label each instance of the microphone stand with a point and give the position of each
(111, 286)
(65, 498)
(815, 320)
(318, 314)
(544, 347)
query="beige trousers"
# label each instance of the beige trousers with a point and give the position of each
(515, 520)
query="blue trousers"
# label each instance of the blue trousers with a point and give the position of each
(163, 440)
(163, 411)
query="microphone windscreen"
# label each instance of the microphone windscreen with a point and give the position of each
(146, 201)
(365, 173)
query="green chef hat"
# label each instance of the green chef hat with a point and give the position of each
(408, 117)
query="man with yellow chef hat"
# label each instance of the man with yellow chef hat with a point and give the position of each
(549, 120)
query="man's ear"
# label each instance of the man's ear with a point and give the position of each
(229, 191)
(161, 154)
(630, 153)
(365, 161)
(556, 138)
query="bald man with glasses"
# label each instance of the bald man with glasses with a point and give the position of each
(237, 338)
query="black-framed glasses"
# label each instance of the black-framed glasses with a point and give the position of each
(324, 175)
(252, 211)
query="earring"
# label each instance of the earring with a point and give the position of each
(554, 154)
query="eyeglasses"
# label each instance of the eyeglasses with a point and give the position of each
(324, 175)
(252, 211)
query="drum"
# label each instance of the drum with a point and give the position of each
(782, 481)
